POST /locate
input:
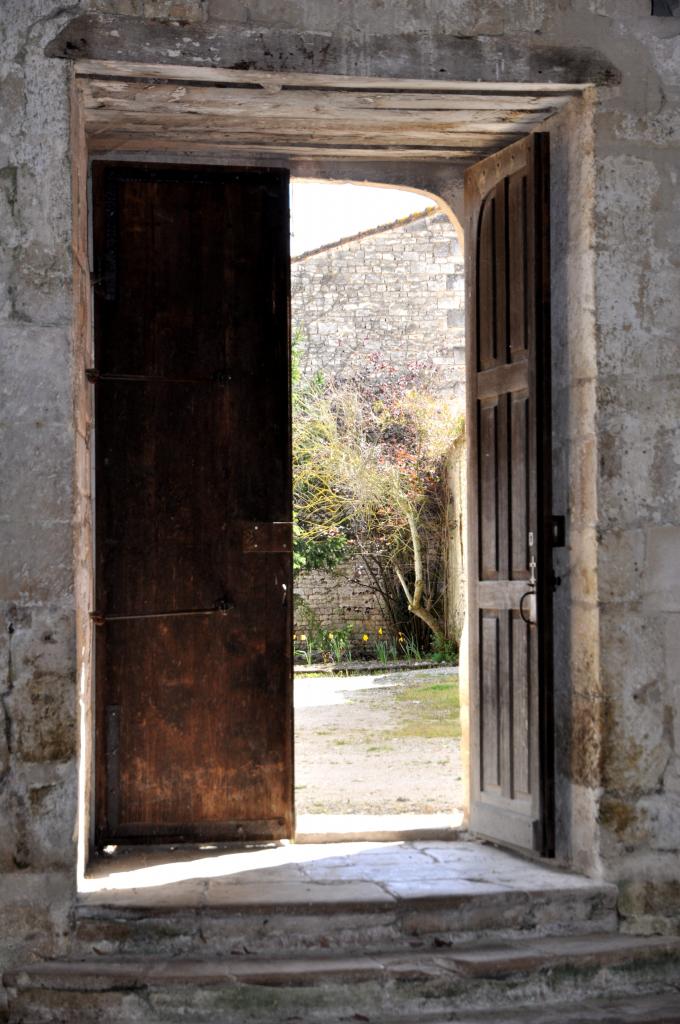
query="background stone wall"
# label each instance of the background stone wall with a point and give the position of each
(395, 292)
(333, 600)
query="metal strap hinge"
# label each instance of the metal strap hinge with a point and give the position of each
(221, 606)
(268, 538)
(221, 378)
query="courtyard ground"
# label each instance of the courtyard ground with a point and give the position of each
(378, 744)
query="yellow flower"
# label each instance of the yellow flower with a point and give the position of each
(303, 636)
(380, 631)
(294, 636)
(365, 637)
(330, 636)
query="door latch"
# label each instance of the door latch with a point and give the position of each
(527, 602)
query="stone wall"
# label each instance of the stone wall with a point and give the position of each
(396, 292)
(616, 373)
(332, 600)
(38, 690)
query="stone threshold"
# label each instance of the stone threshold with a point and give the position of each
(359, 875)
(380, 828)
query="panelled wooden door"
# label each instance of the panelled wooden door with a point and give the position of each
(193, 503)
(510, 515)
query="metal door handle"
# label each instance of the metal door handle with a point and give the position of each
(532, 607)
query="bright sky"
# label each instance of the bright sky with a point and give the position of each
(323, 212)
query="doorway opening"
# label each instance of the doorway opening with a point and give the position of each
(512, 175)
(378, 333)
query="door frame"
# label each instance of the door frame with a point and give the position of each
(421, 176)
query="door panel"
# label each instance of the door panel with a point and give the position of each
(192, 413)
(510, 568)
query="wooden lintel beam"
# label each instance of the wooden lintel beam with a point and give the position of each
(521, 57)
(115, 143)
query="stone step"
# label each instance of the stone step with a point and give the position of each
(333, 988)
(346, 897)
(353, 917)
(663, 1008)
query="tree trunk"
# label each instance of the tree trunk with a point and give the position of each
(415, 600)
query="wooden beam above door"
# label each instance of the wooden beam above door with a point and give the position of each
(131, 108)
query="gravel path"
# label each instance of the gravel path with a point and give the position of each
(380, 744)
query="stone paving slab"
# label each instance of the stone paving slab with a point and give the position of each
(332, 894)
(444, 890)
(342, 873)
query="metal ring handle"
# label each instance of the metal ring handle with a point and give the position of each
(529, 593)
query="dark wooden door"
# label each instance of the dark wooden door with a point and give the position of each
(510, 535)
(193, 503)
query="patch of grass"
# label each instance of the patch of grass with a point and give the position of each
(430, 711)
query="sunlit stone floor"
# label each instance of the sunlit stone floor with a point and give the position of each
(359, 873)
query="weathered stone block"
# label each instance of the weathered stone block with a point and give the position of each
(36, 914)
(649, 897)
(582, 564)
(582, 406)
(40, 284)
(43, 718)
(44, 815)
(636, 744)
(583, 483)
(620, 567)
(583, 741)
(626, 187)
(625, 821)
(35, 375)
(36, 561)
(9, 860)
(464, 17)
(672, 663)
(38, 466)
(661, 585)
(42, 641)
(577, 637)
(638, 474)
(12, 110)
